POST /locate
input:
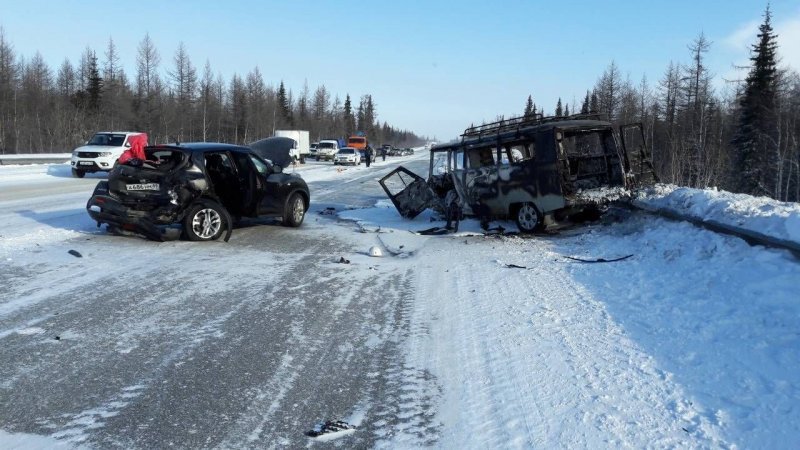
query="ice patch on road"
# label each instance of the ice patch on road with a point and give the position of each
(76, 430)
(24, 441)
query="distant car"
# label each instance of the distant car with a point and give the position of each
(347, 155)
(312, 150)
(197, 189)
(363, 154)
(408, 151)
(100, 152)
(395, 152)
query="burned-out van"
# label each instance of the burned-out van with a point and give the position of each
(530, 169)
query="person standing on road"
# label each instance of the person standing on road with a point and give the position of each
(368, 155)
(383, 153)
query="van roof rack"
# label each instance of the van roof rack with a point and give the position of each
(515, 123)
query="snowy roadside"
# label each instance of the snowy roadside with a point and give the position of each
(691, 342)
(762, 215)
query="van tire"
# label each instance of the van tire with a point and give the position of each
(528, 218)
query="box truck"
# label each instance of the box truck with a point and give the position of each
(302, 149)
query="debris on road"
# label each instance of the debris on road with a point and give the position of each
(599, 260)
(75, 253)
(375, 251)
(331, 429)
(343, 261)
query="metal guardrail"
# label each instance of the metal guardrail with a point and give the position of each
(38, 158)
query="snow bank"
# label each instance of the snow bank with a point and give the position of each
(762, 215)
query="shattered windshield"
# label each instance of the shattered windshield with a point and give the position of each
(113, 140)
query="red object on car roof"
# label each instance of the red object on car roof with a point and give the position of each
(136, 150)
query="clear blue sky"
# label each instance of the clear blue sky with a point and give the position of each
(433, 67)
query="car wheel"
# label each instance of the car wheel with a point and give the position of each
(294, 211)
(528, 218)
(205, 221)
(78, 173)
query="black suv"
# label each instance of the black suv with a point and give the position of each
(202, 187)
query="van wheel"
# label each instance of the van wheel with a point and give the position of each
(528, 218)
(205, 221)
(294, 211)
(78, 173)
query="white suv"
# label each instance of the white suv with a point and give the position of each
(100, 152)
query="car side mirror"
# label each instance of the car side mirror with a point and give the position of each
(127, 145)
(277, 169)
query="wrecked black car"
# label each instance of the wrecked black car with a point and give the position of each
(196, 190)
(534, 170)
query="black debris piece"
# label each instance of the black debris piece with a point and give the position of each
(599, 260)
(58, 338)
(514, 266)
(343, 261)
(75, 253)
(330, 426)
(433, 231)
(328, 211)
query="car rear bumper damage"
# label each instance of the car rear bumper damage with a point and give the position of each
(105, 209)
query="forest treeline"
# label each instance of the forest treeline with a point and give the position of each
(53, 110)
(745, 141)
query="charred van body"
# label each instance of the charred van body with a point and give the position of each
(525, 169)
(196, 189)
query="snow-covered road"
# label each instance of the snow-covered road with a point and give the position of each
(455, 341)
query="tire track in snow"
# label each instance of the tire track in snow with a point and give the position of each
(559, 347)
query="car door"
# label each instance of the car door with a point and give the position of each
(636, 158)
(270, 189)
(252, 184)
(408, 191)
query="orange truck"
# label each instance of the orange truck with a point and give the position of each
(358, 142)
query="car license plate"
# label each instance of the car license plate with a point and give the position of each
(143, 187)
(86, 163)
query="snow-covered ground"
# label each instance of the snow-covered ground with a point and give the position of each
(692, 341)
(763, 215)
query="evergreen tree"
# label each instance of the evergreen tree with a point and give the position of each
(529, 108)
(94, 87)
(585, 105)
(566, 111)
(594, 103)
(349, 117)
(559, 108)
(284, 105)
(755, 139)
